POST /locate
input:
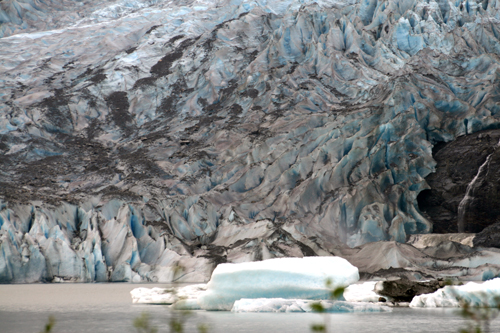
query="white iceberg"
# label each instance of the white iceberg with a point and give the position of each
(301, 305)
(362, 292)
(485, 294)
(187, 295)
(186, 304)
(290, 278)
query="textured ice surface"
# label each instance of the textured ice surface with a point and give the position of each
(276, 278)
(190, 133)
(299, 305)
(24, 16)
(167, 295)
(448, 260)
(71, 244)
(485, 294)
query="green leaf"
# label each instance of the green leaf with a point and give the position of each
(176, 326)
(317, 307)
(203, 328)
(337, 293)
(318, 328)
(50, 324)
(143, 324)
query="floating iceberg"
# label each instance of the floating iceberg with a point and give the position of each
(362, 292)
(301, 305)
(152, 296)
(291, 278)
(485, 294)
(167, 295)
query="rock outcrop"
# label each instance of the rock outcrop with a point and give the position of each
(489, 237)
(403, 290)
(458, 165)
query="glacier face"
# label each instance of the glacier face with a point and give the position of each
(151, 141)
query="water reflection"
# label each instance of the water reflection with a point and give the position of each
(97, 308)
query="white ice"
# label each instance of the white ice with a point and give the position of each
(475, 294)
(290, 278)
(186, 294)
(362, 292)
(301, 305)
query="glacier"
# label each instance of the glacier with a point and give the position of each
(291, 278)
(152, 141)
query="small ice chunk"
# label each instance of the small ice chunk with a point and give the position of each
(362, 292)
(186, 304)
(167, 295)
(191, 291)
(291, 278)
(302, 305)
(475, 294)
(153, 296)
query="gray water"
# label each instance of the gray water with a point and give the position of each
(108, 308)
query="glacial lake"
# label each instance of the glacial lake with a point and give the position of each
(107, 307)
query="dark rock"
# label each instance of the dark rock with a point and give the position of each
(458, 163)
(489, 237)
(391, 273)
(404, 290)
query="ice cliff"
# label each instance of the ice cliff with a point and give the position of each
(151, 141)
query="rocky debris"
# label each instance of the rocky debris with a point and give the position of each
(432, 240)
(413, 274)
(386, 260)
(403, 290)
(489, 237)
